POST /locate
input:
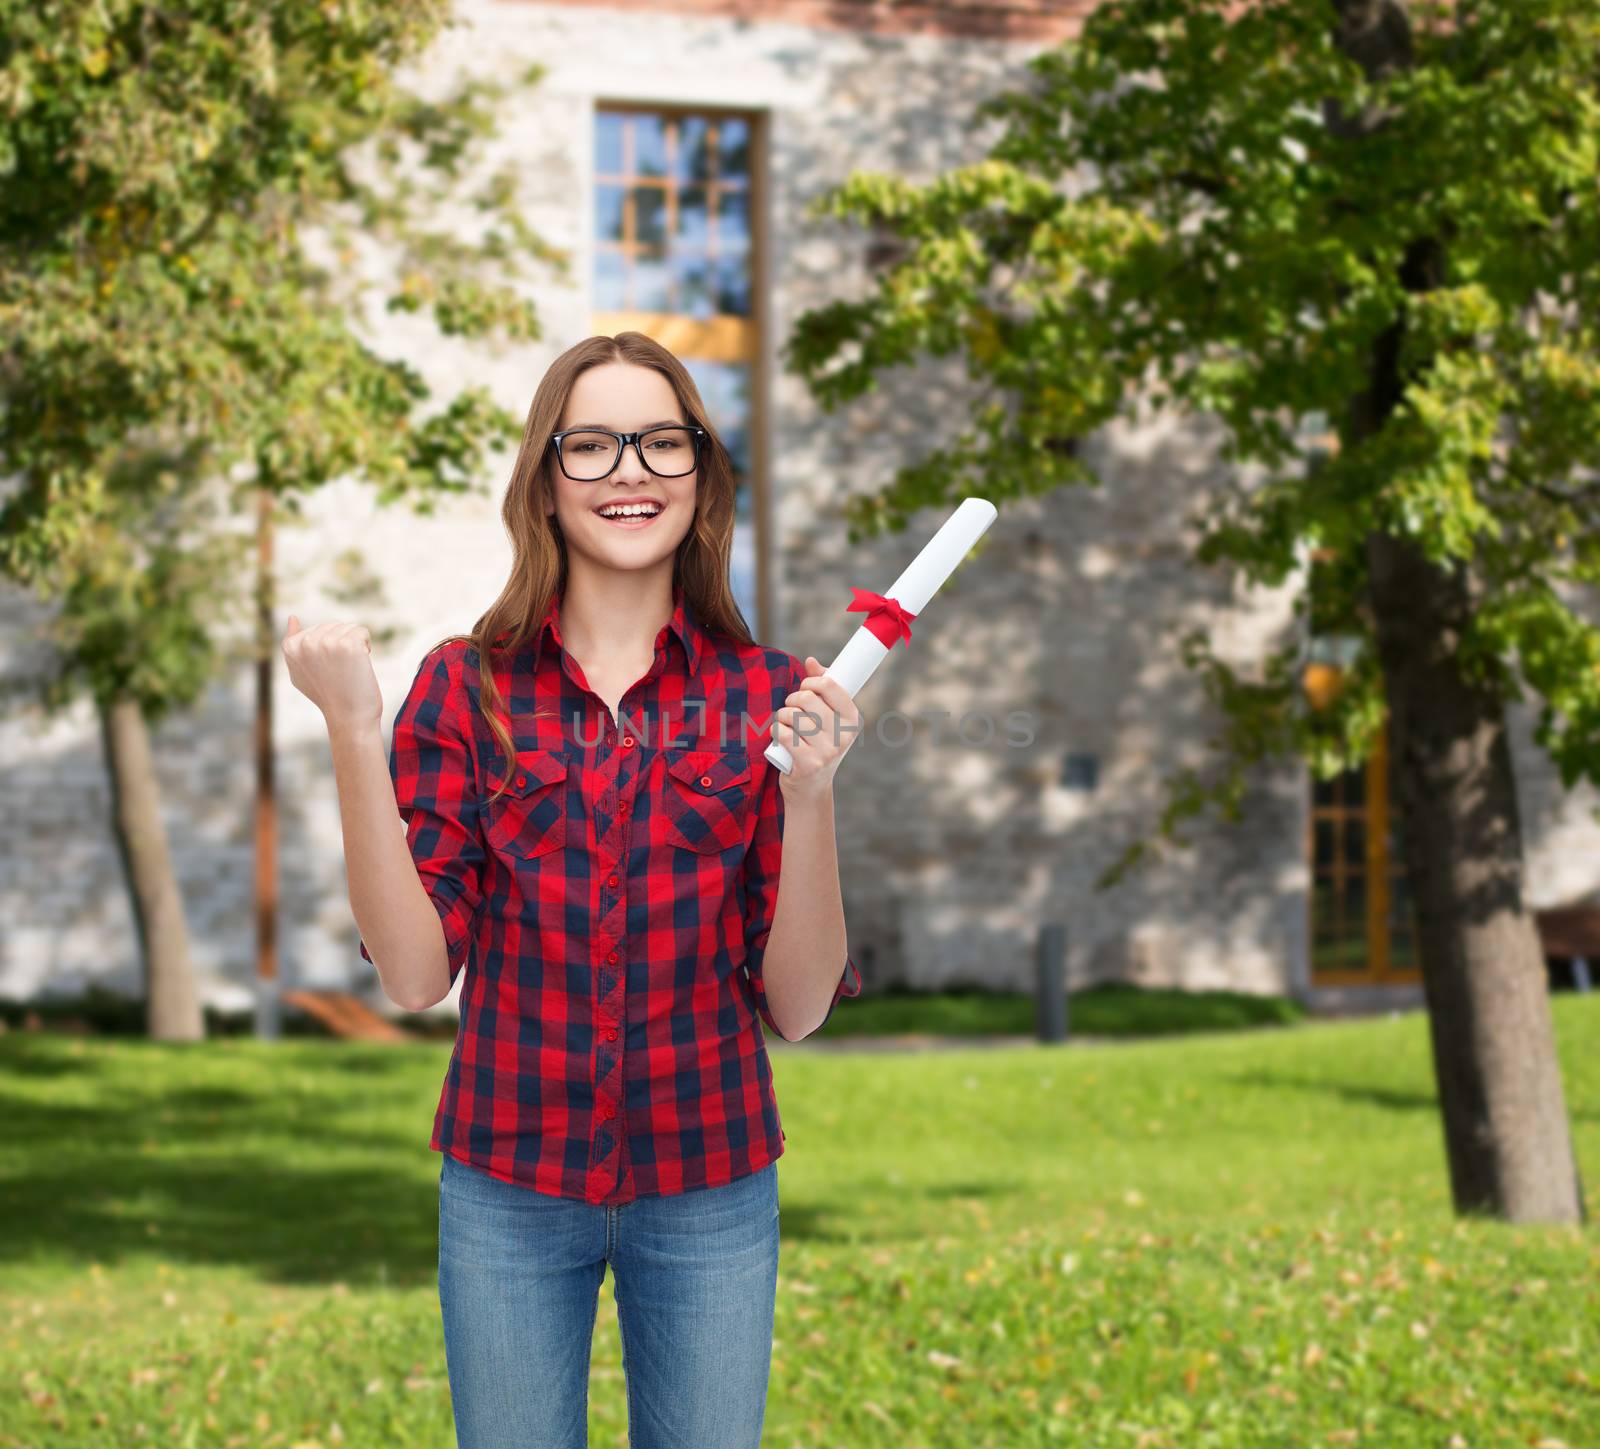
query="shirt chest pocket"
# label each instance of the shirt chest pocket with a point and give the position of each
(530, 818)
(708, 800)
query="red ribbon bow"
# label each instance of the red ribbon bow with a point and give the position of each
(885, 617)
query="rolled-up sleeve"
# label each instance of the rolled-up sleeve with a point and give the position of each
(430, 762)
(763, 862)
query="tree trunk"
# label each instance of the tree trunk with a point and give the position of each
(172, 997)
(1506, 1134)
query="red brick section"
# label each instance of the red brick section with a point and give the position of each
(1020, 20)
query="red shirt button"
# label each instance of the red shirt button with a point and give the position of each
(611, 880)
(605, 1114)
(611, 1036)
(521, 781)
(612, 956)
(705, 779)
(627, 742)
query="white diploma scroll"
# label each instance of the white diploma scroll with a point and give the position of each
(855, 664)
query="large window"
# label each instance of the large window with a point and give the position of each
(675, 251)
(1361, 928)
(1361, 918)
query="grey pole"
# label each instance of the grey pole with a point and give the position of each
(1050, 1007)
(269, 1009)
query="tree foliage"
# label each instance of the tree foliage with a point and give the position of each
(1175, 217)
(197, 202)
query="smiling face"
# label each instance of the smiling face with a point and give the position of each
(625, 398)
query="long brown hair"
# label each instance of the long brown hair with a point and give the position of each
(539, 551)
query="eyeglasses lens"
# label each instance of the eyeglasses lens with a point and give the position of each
(668, 452)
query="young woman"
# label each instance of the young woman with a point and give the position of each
(593, 834)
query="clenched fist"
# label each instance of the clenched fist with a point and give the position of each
(331, 664)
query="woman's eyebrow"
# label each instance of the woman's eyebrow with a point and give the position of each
(659, 423)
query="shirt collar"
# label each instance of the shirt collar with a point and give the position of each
(682, 622)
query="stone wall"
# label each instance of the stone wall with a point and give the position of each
(952, 853)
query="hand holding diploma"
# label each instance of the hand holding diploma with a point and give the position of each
(888, 619)
(832, 723)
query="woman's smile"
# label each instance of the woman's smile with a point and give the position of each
(633, 520)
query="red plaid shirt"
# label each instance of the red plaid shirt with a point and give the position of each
(613, 908)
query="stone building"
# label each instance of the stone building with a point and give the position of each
(674, 148)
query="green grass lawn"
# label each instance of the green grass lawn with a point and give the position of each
(1239, 1238)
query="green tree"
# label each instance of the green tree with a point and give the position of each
(197, 204)
(1281, 215)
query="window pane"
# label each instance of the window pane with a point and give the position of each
(725, 390)
(733, 222)
(1397, 845)
(736, 438)
(1402, 930)
(649, 146)
(608, 213)
(742, 564)
(692, 273)
(649, 216)
(610, 281)
(693, 224)
(693, 161)
(733, 148)
(1402, 927)
(1355, 908)
(731, 286)
(608, 143)
(1324, 905)
(652, 283)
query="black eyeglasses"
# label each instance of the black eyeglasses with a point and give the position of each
(587, 455)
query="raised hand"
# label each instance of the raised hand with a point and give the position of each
(331, 664)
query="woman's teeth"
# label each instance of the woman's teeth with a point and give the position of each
(632, 517)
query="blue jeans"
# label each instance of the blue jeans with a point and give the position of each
(695, 1277)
